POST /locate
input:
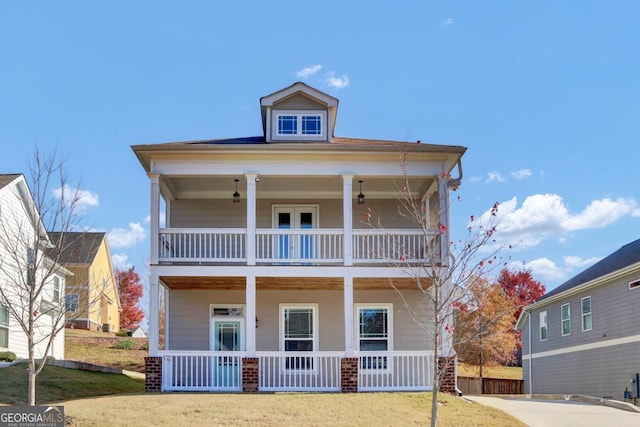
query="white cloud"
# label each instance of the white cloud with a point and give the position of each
(543, 216)
(126, 237)
(521, 174)
(309, 71)
(337, 82)
(577, 262)
(475, 179)
(495, 176)
(547, 271)
(119, 262)
(447, 22)
(81, 198)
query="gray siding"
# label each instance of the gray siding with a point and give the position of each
(599, 372)
(298, 102)
(189, 317)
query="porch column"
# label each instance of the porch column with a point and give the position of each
(444, 218)
(153, 314)
(154, 216)
(347, 208)
(250, 297)
(251, 219)
(348, 316)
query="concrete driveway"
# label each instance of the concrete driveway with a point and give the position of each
(559, 413)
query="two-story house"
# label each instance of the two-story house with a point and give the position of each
(92, 300)
(582, 338)
(285, 261)
(27, 275)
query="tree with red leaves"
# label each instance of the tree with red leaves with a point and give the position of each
(523, 290)
(131, 291)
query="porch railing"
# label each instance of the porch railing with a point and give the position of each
(202, 371)
(299, 371)
(395, 371)
(295, 246)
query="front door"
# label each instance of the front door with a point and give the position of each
(295, 218)
(227, 335)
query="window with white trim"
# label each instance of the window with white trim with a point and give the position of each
(56, 289)
(635, 284)
(299, 333)
(4, 327)
(374, 326)
(587, 318)
(299, 124)
(71, 303)
(542, 316)
(565, 317)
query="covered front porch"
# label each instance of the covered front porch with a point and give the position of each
(281, 333)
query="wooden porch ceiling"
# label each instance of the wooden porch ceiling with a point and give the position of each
(289, 283)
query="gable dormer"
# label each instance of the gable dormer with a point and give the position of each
(298, 113)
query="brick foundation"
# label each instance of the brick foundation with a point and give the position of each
(153, 374)
(250, 374)
(447, 366)
(349, 374)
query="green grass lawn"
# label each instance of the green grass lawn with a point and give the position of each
(97, 348)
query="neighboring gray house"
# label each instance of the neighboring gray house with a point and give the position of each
(583, 337)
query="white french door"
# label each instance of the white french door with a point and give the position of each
(299, 217)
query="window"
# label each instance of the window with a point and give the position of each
(374, 334)
(587, 319)
(543, 325)
(4, 327)
(71, 303)
(56, 289)
(31, 270)
(565, 316)
(299, 333)
(295, 124)
(634, 284)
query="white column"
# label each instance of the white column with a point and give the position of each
(443, 191)
(153, 314)
(154, 216)
(347, 209)
(250, 300)
(348, 316)
(251, 219)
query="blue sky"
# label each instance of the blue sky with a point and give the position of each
(545, 94)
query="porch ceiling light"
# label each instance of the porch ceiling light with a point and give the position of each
(360, 196)
(236, 195)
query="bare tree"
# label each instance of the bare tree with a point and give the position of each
(32, 286)
(444, 271)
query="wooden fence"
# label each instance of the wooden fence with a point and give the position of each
(471, 385)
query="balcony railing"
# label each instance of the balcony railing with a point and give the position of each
(295, 246)
(202, 371)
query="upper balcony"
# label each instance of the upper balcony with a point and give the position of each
(301, 220)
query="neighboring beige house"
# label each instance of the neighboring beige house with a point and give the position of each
(92, 300)
(267, 274)
(21, 229)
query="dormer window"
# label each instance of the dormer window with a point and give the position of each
(300, 124)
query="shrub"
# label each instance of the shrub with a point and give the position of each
(144, 346)
(125, 345)
(7, 356)
(124, 332)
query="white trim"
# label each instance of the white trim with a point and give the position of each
(584, 347)
(546, 325)
(590, 313)
(568, 319)
(356, 334)
(634, 284)
(315, 327)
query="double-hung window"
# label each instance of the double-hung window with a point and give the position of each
(56, 289)
(542, 316)
(374, 325)
(587, 319)
(71, 303)
(300, 124)
(299, 333)
(4, 327)
(565, 316)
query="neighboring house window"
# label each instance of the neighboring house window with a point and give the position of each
(299, 332)
(587, 319)
(4, 327)
(374, 334)
(71, 303)
(543, 325)
(30, 266)
(635, 284)
(300, 124)
(56, 289)
(565, 316)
